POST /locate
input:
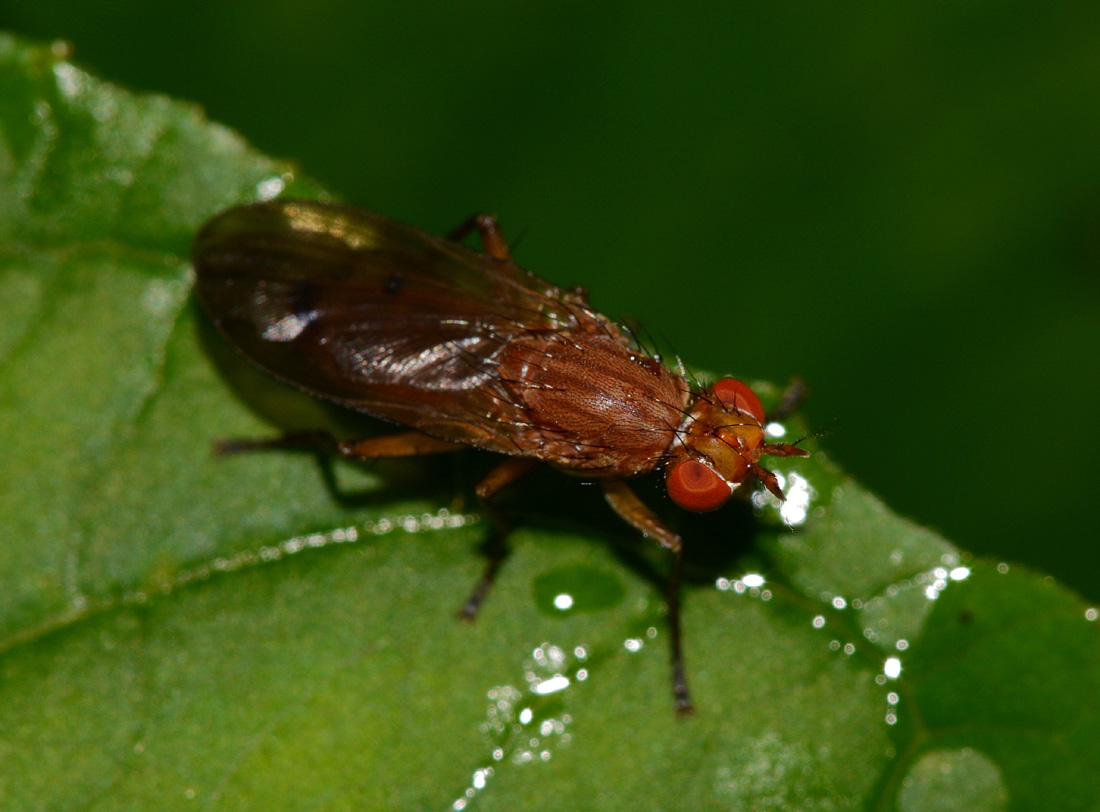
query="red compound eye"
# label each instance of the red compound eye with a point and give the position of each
(696, 487)
(736, 395)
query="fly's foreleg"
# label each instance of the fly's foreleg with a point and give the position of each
(792, 398)
(627, 504)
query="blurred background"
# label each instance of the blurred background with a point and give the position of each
(901, 205)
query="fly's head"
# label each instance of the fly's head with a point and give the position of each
(720, 445)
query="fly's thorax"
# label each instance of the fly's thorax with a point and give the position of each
(591, 403)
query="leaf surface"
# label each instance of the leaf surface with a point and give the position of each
(251, 633)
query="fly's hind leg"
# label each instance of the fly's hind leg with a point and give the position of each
(406, 444)
(491, 238)
(496, 548)
(324, 446)
(296, 441)
(627, 504)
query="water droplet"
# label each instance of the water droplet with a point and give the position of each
(577, 588)
(892, 667)
(563, 601)
(270, 187)
(953, 779)
(70, 81)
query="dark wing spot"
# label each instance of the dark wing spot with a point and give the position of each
(300, 297)
(394, 284)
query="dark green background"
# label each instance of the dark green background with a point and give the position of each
(901, 205)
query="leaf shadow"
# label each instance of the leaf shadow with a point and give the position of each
(713, 542)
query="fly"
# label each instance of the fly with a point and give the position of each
(468, 349)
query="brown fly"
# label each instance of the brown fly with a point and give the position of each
(470, 349)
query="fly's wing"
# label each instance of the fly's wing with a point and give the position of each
(359, 309)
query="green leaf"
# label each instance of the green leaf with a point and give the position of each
(248, 633)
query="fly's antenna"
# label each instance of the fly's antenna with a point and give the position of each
(817, 435)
